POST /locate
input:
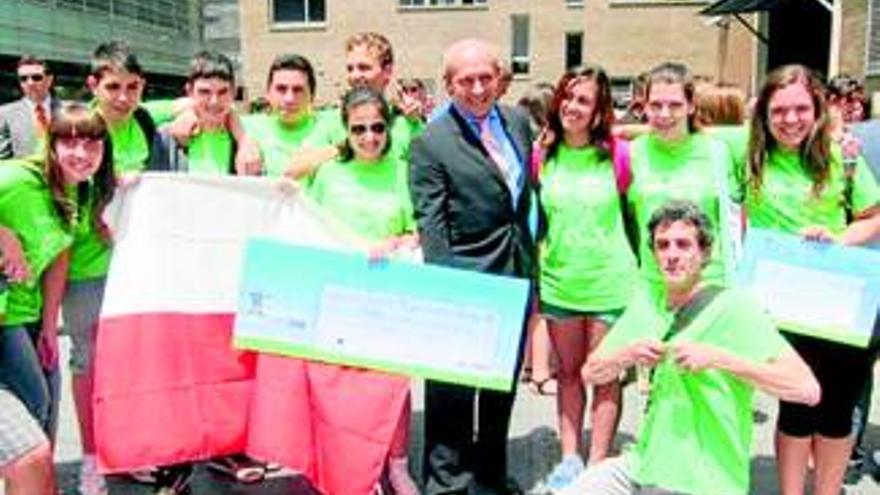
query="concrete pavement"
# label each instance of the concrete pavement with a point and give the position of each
(533, 447)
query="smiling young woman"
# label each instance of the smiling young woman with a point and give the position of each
(48, 204)
(675, 162)
(581, 296)
(798, 184)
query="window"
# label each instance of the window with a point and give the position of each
(574, 49)
(98, 5)
(71, 4)
(519, 55)
(873, 41)
(440, 3)
(298, 11)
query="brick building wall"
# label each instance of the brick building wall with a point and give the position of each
(625, 36)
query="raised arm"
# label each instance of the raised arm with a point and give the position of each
(785, 376)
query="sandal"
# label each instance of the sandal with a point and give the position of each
(526, 375)
(544, 387)
(239, 467)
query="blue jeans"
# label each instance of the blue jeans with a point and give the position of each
(22, 374)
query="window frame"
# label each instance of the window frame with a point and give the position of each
(455, 5)
(521, 59)
(872, 67)
(580, 49)
(306, 24)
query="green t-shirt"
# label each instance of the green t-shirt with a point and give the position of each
(586, 260)
(90, 253)
(278, 141)
(696, 437)
(371, 198)
(736, 137)
(786, 201)
(331, 132)
(130, 148)
(697, 169)
(210, 153)
(27, 209)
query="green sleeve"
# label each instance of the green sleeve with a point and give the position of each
(866, 194)
(27, 209)
(416, 127)
(162, 111)
(747, 330)
(4, 298)
(641, 320)
(314, 184)
(329, 130)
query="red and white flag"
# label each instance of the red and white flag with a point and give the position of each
(170, 388)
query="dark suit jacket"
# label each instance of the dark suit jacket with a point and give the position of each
(462, 205)
(18, 136)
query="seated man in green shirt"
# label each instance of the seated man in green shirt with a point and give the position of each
(709, 349)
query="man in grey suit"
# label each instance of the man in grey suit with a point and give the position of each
(23, 122)
(471, 194)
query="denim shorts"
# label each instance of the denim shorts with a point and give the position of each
(22, 374)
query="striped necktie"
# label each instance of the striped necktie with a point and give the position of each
(42, 119)
(493, 147)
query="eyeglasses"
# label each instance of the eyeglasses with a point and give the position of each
(33, 77)
(361, 129)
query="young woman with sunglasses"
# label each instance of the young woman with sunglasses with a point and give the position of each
(366, 188)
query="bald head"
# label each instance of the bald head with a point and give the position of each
(468, 50)
(472, 70)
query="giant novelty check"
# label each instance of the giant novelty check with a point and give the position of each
(827, 291)
(421, 320)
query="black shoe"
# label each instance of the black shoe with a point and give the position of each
(239, 467)
(513, 487)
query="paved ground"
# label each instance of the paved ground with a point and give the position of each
(533, 449)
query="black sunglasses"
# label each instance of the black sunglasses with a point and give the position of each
(32, 77)
(375, 128)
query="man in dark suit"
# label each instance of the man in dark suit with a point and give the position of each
(23, 122)
(471, 194)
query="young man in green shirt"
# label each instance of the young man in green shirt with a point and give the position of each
(369, 61)
(280, 133)
(709, 349)
(200, 141)
(117, 82)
